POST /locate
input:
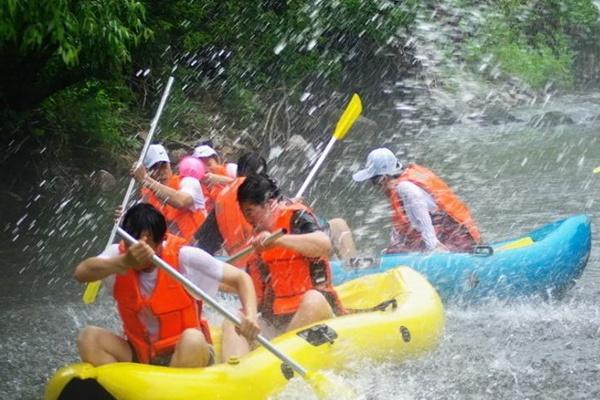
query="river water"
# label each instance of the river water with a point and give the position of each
(514, 177)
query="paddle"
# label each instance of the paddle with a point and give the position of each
(274, 236)
(92, 288)
(350, 115)
(320, 383)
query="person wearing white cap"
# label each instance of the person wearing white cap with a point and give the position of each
(178, 197)
(427, 215)
(218, 175)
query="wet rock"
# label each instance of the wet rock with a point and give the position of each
(550, 118)
(297, 144)
(366, 125)
(104, 181)
(494, 114)
(593, 118)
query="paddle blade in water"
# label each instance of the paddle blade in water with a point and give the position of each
(350, 115)
(327, 387)
(91, 292)
(597, 170)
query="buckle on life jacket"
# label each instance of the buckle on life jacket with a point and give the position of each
(361, 262)
(318, 335)
(482, 250)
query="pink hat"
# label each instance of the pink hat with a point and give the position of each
(191, 166)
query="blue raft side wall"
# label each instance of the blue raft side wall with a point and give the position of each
(548, 267)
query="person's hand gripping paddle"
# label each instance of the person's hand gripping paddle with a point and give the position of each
(322, 385)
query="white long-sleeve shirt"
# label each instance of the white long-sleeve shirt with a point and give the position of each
(418, 204)
(205, 271)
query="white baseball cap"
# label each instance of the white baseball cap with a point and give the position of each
(204, 151)
(380, 161)
(156, 153)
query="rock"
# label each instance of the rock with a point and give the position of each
(496, 114)
(297, 143)
(366, 125)
(549, 119)
(104, 180)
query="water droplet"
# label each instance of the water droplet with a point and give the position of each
(279, 48)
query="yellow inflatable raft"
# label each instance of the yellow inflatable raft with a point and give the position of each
(394, 315)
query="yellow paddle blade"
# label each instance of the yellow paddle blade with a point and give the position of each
(516, 244)
(327, 387)
(91, 292)
(350, 115)
(596, 170)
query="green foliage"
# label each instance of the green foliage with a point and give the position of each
(241, 103)
(533, 39)
(77, 31)
(276, 41)
(95, 113)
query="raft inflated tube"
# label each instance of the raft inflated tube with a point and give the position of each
(397, 315)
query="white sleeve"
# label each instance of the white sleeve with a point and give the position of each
(201, 268)
(110, 251)
(417, 204)
(192, 187)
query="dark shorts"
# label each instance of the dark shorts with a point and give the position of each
(281, 321)
(165, 359)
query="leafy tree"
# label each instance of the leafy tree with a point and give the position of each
(46, 46)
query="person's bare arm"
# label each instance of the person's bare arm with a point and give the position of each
(314, 244)
(97, 268)
(242, 284)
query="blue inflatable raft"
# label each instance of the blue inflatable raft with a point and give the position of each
(545, 263)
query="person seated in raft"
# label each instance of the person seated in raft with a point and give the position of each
(427, 215)
(179, 196)
(162, 323)
(218, 174)
(226, 226)
(291, 274)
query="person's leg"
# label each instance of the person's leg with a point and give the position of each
(191, 351)
(233, 344)
(99, 346)
(342, 239)
(313, 308)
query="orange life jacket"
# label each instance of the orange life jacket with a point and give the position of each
(174, 309)
(211, 193)
(234, 228)
(281, 276)
(182, 222)
(453, 223)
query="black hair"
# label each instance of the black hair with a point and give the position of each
(257, 189)
(205, 142)
(251, 164)
(144, 217)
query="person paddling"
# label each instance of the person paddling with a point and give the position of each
(226, 226)
(427, 215)
(162, 323)
(178, 196)
(291, 274)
